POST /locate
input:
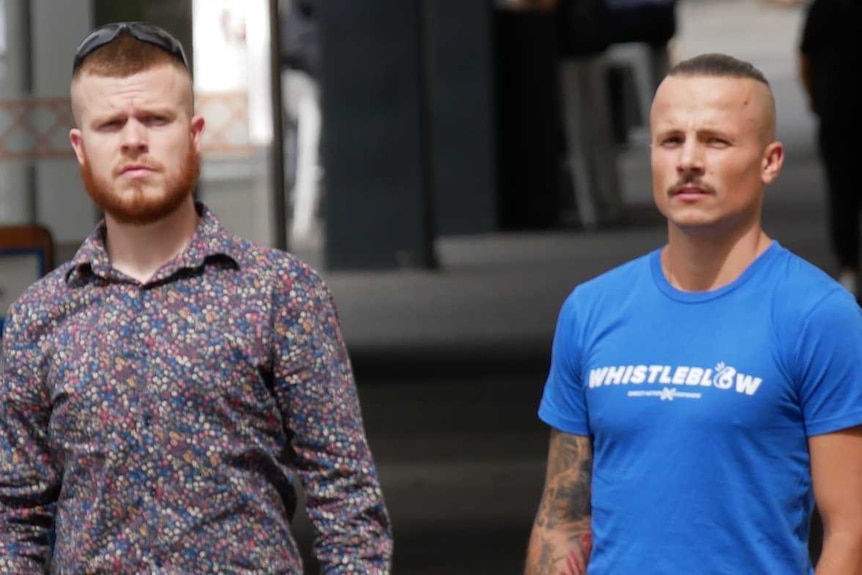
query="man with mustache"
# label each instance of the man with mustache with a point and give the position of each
(163, 390)
(702, 397)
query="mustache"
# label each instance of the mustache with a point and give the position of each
(146, 164)
(689, 181)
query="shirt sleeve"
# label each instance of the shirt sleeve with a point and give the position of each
(29, 478)
(313, 374)
(563, 404)
(829, 365)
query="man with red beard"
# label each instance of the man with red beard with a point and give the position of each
(162, 391)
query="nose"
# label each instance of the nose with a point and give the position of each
(134, 137)
(690, 158)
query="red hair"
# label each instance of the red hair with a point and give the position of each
(125, 56)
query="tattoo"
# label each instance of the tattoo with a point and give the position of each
(546, 556)
(576, 561)
(567, 486)
(575, 564)
(561, 541)
(568, 452)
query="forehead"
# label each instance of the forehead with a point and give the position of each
(160, 87)
(736, 103)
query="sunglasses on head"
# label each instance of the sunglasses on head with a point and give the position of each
(139, 30)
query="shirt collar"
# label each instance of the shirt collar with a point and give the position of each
(210, 240)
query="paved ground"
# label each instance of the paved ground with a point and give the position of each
(451, 364)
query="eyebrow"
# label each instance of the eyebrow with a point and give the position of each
(668, 127)
(165, 111)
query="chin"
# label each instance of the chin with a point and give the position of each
(692, 222)
(696, 228)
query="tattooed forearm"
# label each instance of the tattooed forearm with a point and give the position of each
(569, 453)
(547, 557)
(561, 540)
(566, 499)
(576, 561)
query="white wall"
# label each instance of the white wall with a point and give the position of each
(231, 56)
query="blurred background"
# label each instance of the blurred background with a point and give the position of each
(453, 169)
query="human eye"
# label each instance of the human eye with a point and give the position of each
(716, 141)
(152, 120)
(156, 120)
(110, 125)
(670, 141)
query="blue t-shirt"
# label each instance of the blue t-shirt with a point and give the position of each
(699, 406)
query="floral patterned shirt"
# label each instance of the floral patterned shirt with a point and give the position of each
(159, 427)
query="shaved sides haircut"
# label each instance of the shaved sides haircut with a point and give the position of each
(126, 56)
(719, 66)
(715, 65)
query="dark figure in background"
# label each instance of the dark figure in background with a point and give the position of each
(164, 389)
(651, 22)
(830, 65)
(300, 73)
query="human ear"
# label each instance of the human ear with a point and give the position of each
(197, 128)
(77, 140)
(773, 160)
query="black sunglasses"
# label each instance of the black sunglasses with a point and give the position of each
(139, 30)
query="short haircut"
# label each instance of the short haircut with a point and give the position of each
(718, 65)
(125, 56)
(714, 65)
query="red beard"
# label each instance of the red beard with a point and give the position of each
(135, 206)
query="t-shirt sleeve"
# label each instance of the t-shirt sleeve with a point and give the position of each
(829, 364)
(563, 404)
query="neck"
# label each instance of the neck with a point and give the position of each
(138, 251)
(694, 262)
